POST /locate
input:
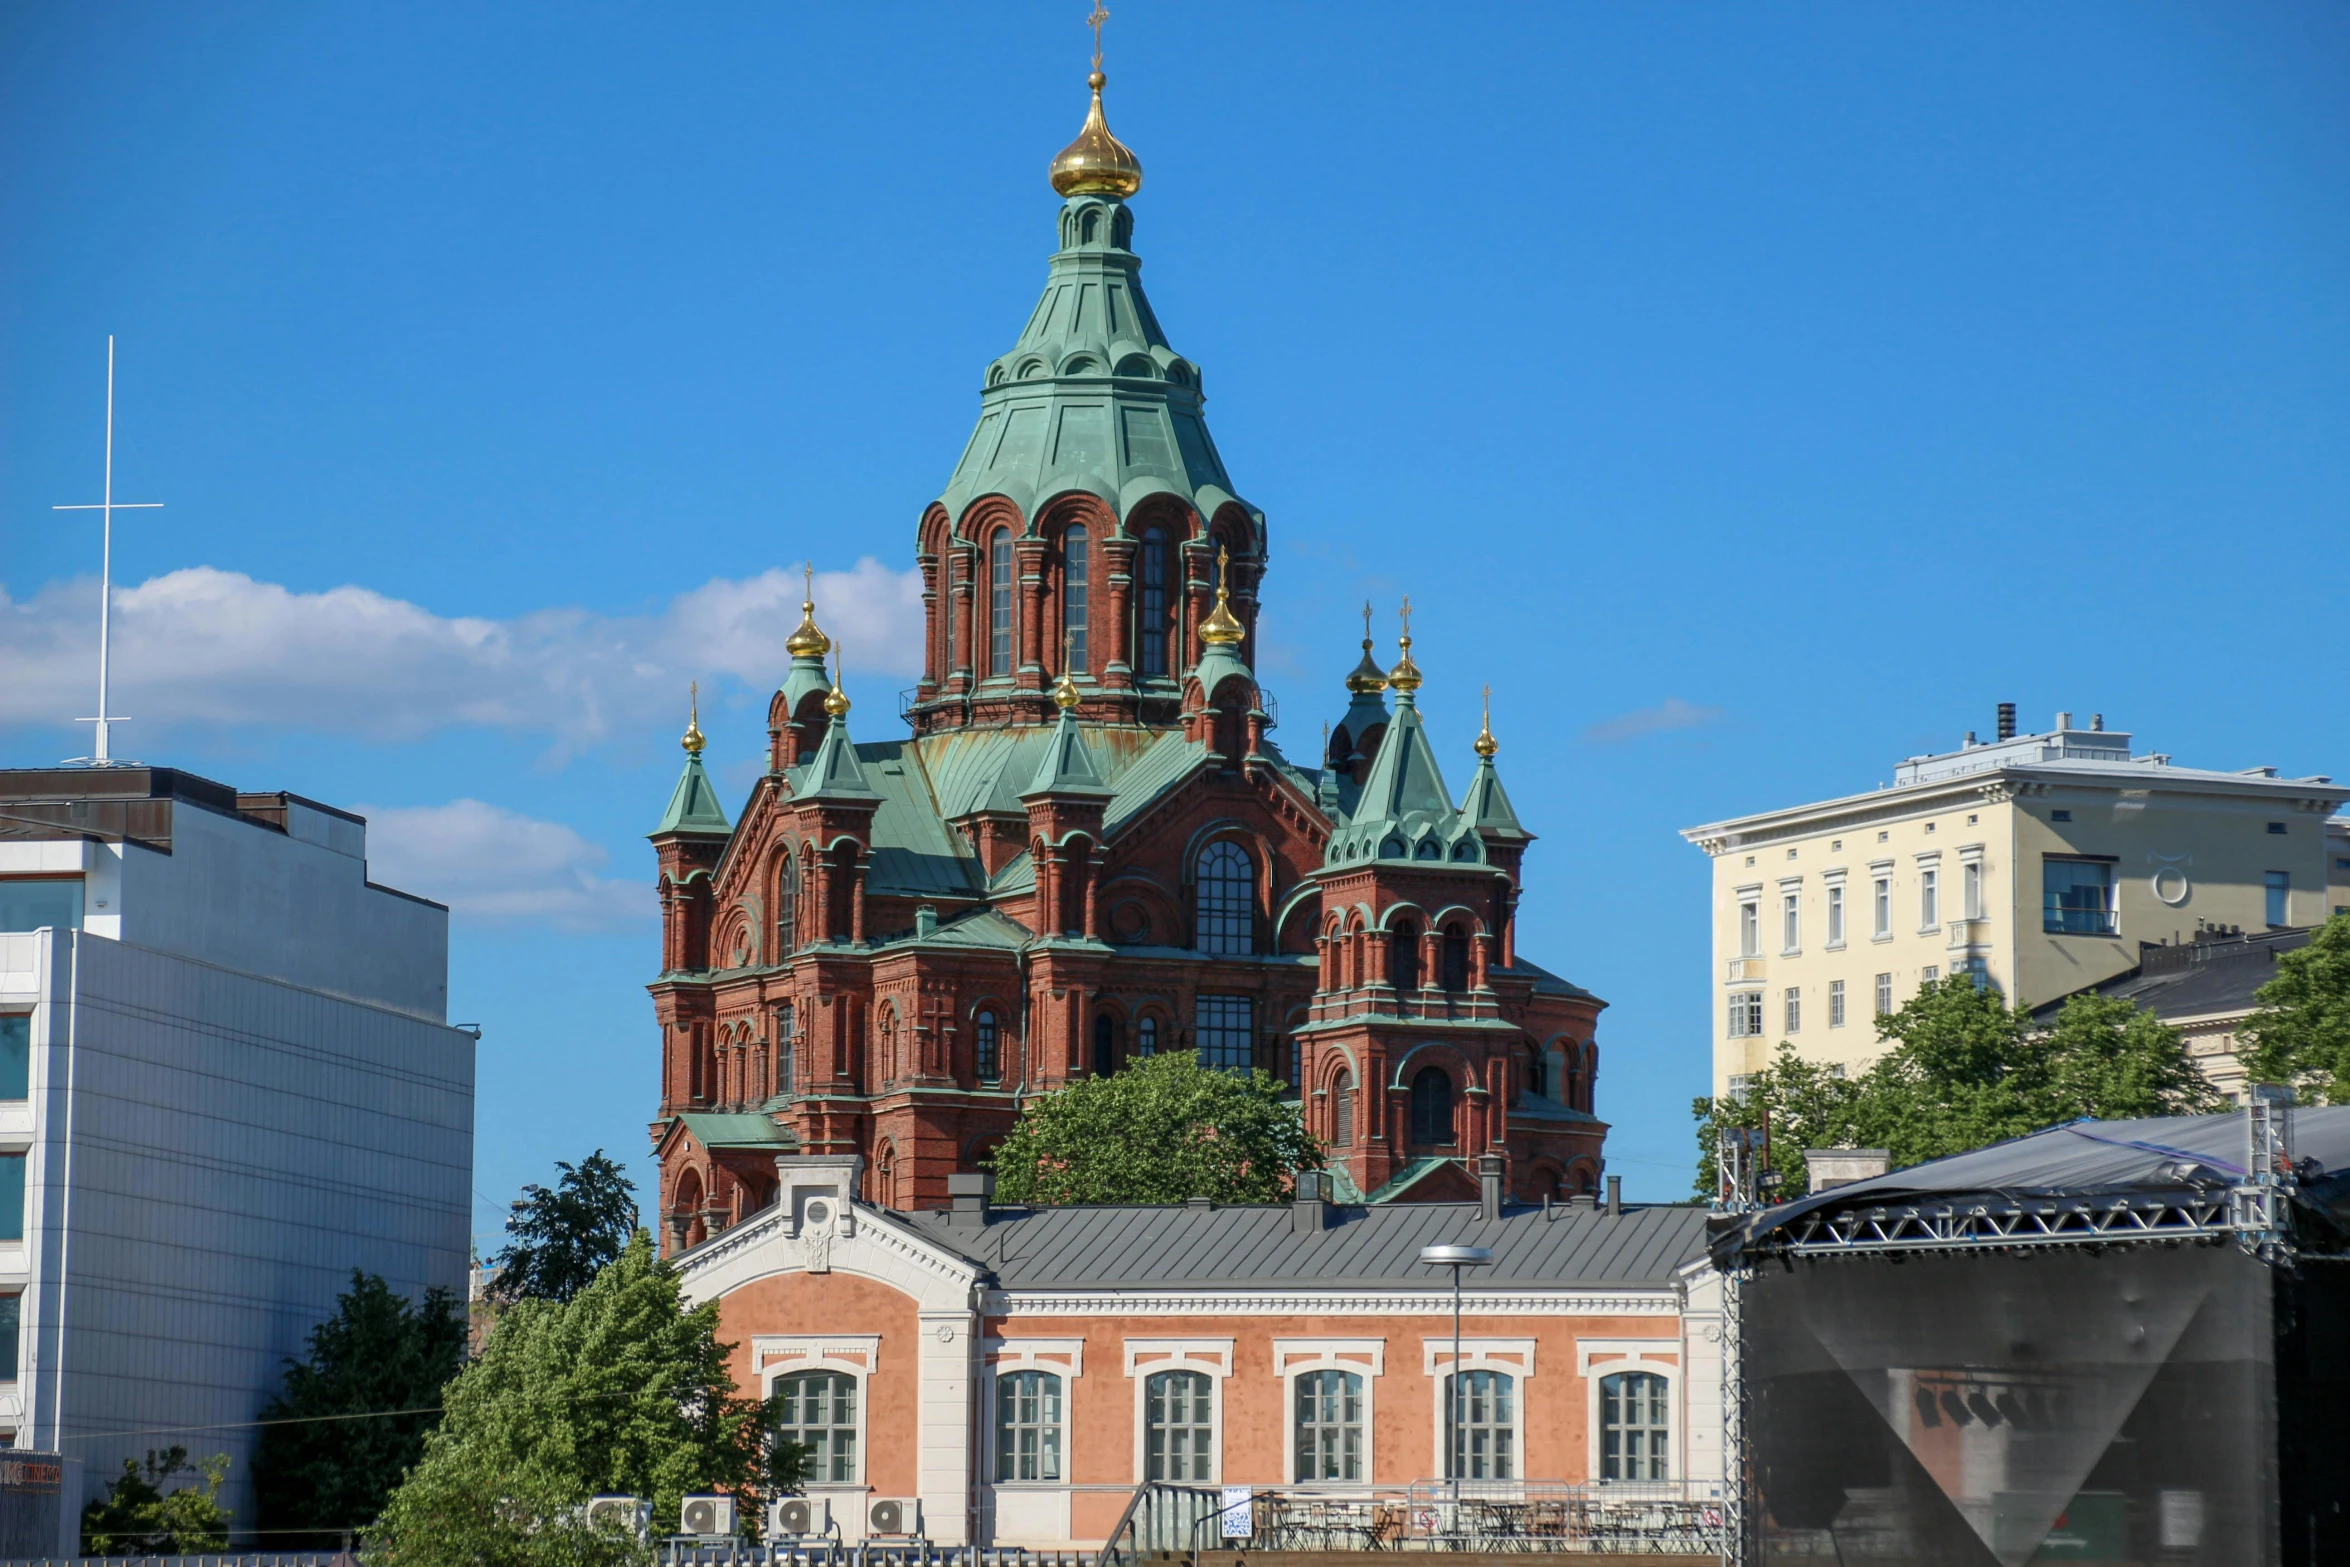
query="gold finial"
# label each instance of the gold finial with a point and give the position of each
(1097, 163)
(1220, 629)
(1065, 694)
(1368, 678)
(808, 641)
(1486, 744)
(693, 741)
(1405, 676)
(836, 701)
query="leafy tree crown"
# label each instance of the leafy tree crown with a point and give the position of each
(559, 1239)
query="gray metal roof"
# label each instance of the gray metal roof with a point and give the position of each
(1257, 1246)
(2200, 979)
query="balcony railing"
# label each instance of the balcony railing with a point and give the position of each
(1969, 933)
(1740, 971)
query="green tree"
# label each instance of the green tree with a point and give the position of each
(378, 1352)
(621, 1389)
(2301, 1033)
(1163, 1130)
(1965, 1070)
(138, 1516)
(559, 1239)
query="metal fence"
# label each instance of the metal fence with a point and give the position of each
(1664, 1517)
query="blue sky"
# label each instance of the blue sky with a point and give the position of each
(1751, 395)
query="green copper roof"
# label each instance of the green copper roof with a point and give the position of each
(1066, 766)
(1404, 811)
(738, 1131)
(693, 805)
(805, 675)
(1487, 805)
(833, 773)
(1091, 397)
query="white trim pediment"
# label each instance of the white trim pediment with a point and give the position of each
(1513, 1355)
(861, 1241)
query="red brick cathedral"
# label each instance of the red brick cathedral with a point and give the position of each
(1091, 847)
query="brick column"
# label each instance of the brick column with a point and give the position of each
(1030, 555)
(1117, 670)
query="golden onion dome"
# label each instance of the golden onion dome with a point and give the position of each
(1486, 744)
(1222, 628)
(1065, 693)
(1097, 163)
(809, 640)
(836, 701)
(1405, 676)
(1367, 678)
(693, 741)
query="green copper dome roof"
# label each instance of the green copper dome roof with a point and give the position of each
(1092, 397)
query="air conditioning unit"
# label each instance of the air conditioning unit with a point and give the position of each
(706, 1515)
(798, 1515)
(893, 1515)
(628, 1512)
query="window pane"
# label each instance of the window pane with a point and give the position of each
(1634, 1427)
(1484, 1426)
(1329, 1430)
(1227, 899)
(819, 1411)
(1028, 1426)
(1073, 593)
(1835, 916)
(990, 1060)
(1178, 1413)
(2077, 897)
(51, 902)
(16, 1055)
(11, 1321)
(2279, 887)
(999, 655)
(1225, 1027)
(1151, 616)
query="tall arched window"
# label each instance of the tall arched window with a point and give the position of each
(1150, 624)
(1146, 1036)
(819, 1411)
(1074, 575)
(1227, 899)
(787, 910)
(784, 1049)
(1635, 1427)
(1179, 1426)
(1328, 1436)
(946, 613)
(1432, 1107)
(1105, 1045)
(1456, 958)
(1342, 1112)
(990, 1059)
(886, 1061)
(1403, 962)
(1484, 1426)
(999, 603)
(1028, 1426)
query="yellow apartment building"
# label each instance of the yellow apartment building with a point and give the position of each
(2040, 863)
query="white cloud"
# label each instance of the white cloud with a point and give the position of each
(208, 646)
(500, 867)
(1671, 713)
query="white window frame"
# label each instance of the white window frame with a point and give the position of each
(1513, 1357)
(1836, 1003)
(1750, 921)
(1596, 1358)
(1364, 1357)
(1837, 912)
(1062, 1357)
(855, 1355)
(1790, 917)
(1929, 892)
(1791, 1009)
(1745, 1005)
(1881, 901)
(1881, 994)
(1972, 883)
(1146, 1358)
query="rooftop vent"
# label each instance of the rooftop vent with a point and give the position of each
(2007, 720)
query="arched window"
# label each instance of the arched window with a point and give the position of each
(990, 1060)
(1456, 958)
(1150, 625)
(1432, 1107)
(1342, 1112)
(784, 1050)
(1227, 899)
(1074, 574)
(787, 910)
(1105, 1045)
(1329, 1429)
(885, 1058)
(885, 1176)
(820, 1413)
(1403, 962)
(1635, 1427)
(1028, 1426)
(946, 612)
(1178, 1426)
(999, 603)
(1536, 1082)
(1484, 1426)
(1146, 1036)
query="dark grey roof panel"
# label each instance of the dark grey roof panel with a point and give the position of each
(1114, 1247)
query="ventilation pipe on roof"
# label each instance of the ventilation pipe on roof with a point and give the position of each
(2007, 720)
(1489, 1177)
(2064, 721)
(1309, 1211)
(2097, 722)
(968, 1197)
(1615, 1196)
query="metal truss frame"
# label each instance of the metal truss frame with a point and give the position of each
(2009, 1225)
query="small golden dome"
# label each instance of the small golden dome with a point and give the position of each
(809, 641)
(1405, 676)
(836, 701)
(1368, 678)
(1221, 629)
(693, 741)
(1097, 163)
(1065, 693)
(1486, 744)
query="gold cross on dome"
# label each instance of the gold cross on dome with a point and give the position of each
(1101, 14)
(1407, 617)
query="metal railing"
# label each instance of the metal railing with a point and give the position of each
(1663, 1517)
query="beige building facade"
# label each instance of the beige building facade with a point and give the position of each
(2039, 862)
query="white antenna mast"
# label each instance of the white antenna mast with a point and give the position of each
(109, 506)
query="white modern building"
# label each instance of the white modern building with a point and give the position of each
(227, 1079)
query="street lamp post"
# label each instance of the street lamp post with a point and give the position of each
(1455, 1258)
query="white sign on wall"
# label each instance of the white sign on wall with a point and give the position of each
(1239, 1513)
